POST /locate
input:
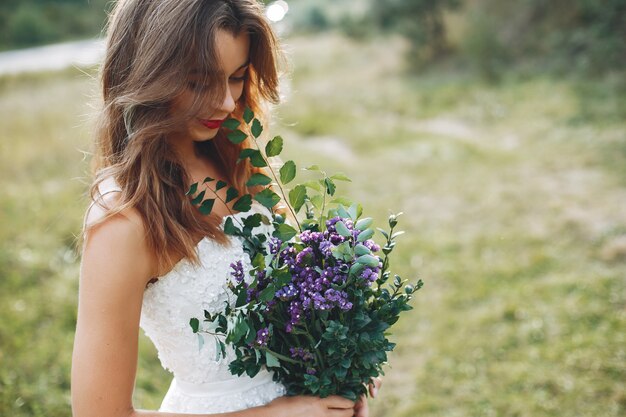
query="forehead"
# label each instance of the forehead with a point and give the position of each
(232, 50)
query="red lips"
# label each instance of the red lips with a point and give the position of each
(212, 124)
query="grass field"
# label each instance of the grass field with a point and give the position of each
(515, 210)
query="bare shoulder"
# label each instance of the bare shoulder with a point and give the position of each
(119, 241)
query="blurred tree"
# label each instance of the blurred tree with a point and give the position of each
(34, 22)
(556, 35)
(420, 21)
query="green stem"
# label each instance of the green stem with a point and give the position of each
(323, 206)
(283, 357)
(282, 191)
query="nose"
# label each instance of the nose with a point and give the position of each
(228, 105)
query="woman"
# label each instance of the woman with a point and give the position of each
(173, 71)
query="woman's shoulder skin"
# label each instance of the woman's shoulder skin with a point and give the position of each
(115, 266)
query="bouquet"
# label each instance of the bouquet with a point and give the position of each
(317, 305)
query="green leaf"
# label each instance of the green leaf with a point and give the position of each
(284, 232)
(230, 228)
(341, 210)
(200, 341)
(267, 294)
(288, 172)
(248, 115)
(312, 168)
(198, 199)
(341, 200)
(256, 128)
(364, 223)
(297, 197)
(383, 232)
(231, 124)
(243, 204)
(313, 185)
(317, 201)
(241, 298)
(267, 198)
(258, 179)
(368, 260)
(231, 194)
(396, 234)
(353, 210)
(220, 184)
(340, 176)
(193, 189)
(342, 229)
(356, 269)
(256, 158)
(361, 249)
(330, 186)
(364, 235)
(195, 324)
(274, 147)
(252, 221)
(236, 136)
(271, 361)
(208, 179)
(207, 206)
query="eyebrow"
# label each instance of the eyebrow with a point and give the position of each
(245, 64)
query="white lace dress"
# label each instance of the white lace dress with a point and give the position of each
(201, 383)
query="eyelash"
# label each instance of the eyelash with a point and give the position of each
(239, 79)
(195, 86)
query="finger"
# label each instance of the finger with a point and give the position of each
(375, 386)
(361, 409)
(337, 401)
(336, 412)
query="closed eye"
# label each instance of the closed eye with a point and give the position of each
(241, 78)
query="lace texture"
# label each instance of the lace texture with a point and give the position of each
(202, 382)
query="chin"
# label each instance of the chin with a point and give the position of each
(204, 136)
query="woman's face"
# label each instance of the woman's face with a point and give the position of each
(233, 53)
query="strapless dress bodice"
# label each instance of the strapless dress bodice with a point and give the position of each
(202, 382)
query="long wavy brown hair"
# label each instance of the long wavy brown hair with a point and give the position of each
(152, 46)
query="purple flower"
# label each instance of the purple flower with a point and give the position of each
(326, 248)
(301, 353)
(274, 245)
(262, 337)
(287, 292)
(237, 271)
(310, 237)
(371, 245)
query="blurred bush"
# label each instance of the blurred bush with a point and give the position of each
(26, 23)
(584, 36)
(489, 36)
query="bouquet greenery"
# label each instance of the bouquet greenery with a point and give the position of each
(317, 305)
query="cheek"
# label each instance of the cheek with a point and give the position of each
(181, 104)
(237, 91)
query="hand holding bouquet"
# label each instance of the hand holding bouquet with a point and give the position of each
(317, 305)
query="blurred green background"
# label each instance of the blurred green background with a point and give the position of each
(498, 128)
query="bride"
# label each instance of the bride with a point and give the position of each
(173, 71)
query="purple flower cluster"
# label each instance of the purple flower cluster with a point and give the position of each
(301, 353)
(315, 270)
(315, 273)
(237, 271)
(262, 337)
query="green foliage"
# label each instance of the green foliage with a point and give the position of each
(35, 22)
(420, 21)
(563, 36)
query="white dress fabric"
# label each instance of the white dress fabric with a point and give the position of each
(202, 383)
